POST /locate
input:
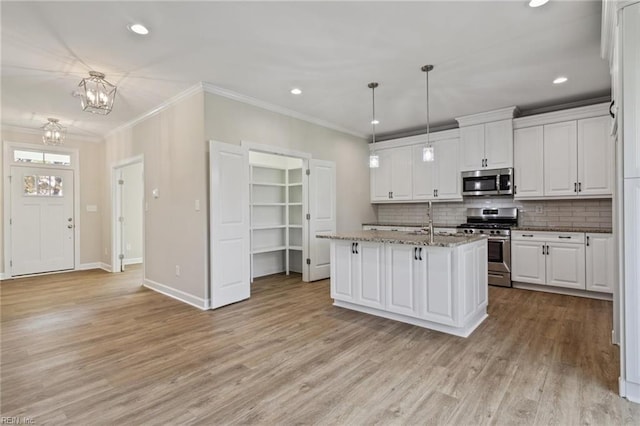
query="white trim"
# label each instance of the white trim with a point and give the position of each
(272, 149)
(8, 162)
(106, 267)
(3, 276)
(456, 331)
(180, 295)
(632, 391)
(197, 88)
(88, 266)
(597, 110)
(132, 261)
(416, 139)
(215, 90)
(488, 117)
(564, 291)
(75, 137)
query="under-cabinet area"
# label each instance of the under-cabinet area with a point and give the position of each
(276, 214)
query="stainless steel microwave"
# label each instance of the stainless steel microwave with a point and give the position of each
(487, 182)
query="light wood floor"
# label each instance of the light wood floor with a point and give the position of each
(96, 348)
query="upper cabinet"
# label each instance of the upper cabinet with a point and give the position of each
(486, 140)
(564, 159)
(402, 176)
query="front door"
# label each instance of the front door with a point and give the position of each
(42, 220)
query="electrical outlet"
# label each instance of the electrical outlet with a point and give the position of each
(106, 251)
(197, 205)
(177, 270)
(539, 209)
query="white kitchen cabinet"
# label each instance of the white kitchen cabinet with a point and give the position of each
(600, 263)
(528, 162)
(359, 275)
(565, 265)
(393, 179)
(438, 179)
(436, 282)
(403, 272)
(595, 157)
(486, 146)
(548, 258)
(560, 159)
(528, 262)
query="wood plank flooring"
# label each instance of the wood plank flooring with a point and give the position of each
(97, 348)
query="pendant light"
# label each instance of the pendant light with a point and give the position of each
(97, 94)
(374, 158)
(53, 132)
(428, 152)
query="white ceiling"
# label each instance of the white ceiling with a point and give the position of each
(487, 55)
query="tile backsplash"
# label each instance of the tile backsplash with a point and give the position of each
(543, 213)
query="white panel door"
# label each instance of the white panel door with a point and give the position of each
(42, 220)
(229, 221)
(342, 280)
(528, 153)
(381, 177)
(560, 159)
(471, 147)
(565, 265)
(631, 94)
(322, 212)
(448, 179)
(528, 262)
(401, 165)
(423, 175)
(370, 275)
(600, 262)
(595, 157)
(632, 273)
(400, 280)
(498, 144)
(437, 296)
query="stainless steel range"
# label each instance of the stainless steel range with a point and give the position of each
(496, 224)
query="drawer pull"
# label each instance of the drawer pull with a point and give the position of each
(528, 235)
(564, 237)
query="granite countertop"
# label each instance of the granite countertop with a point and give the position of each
(562, 229)
(397, 237)
(407, 225)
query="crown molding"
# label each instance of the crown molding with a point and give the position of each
(215, 90)
(488, 117)
(70, 135)
(590, 111)
(197, 88)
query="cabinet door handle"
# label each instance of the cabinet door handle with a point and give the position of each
(543, 249)
(434, 192)
(391, 194)
(515, 189)
(610, 108)
(547, 251)
(587, 241)
(575, 186)
(420, 253)
(353, 250)
(579, 186)
(415, 253)
(357, 248)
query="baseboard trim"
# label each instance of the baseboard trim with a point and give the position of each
(2, 276)
(132, 261)
(87, 266)
(180, 295)
(105, 267)
(564, 291)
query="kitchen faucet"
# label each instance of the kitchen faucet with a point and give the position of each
(430, 223)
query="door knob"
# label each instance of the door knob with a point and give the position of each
(70, 226)
(70, 219)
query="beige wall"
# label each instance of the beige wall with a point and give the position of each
(176, 164)
(91, 183)
(230, 121)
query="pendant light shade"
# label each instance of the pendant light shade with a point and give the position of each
(97, 94)
(428, 152)
(53, 132)
(374, 158)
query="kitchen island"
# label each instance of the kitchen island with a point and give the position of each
(404, 276)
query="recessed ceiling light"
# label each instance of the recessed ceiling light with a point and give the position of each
(138, 29)
(537, 3)
(296, 91)
(560, 80)
(375, 122)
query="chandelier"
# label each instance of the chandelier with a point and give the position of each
(97, 94)
(53, 132)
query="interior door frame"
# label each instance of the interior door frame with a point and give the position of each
(305, 157)
(116, 206)
(8, 148)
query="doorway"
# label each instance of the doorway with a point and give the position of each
(128, 217)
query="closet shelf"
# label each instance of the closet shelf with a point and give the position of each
(268, 204)
(263, 227)
(268, 249)
(281, 185)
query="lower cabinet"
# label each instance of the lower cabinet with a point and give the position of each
(570, 260)
(403, 275)
(358, 277)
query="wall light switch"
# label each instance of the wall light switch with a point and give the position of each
(146, 206)
(197, 205)
(155, 193)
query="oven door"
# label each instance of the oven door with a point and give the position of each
(499, 254)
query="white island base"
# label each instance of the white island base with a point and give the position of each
(436, 287)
